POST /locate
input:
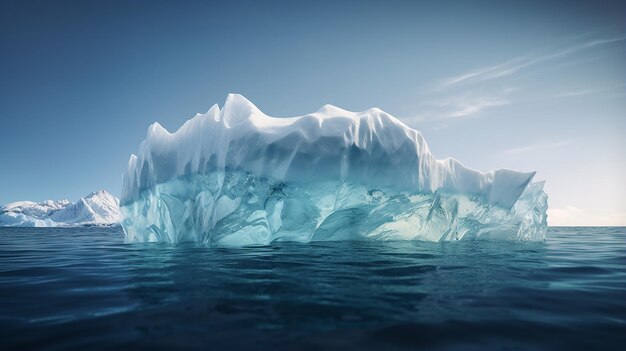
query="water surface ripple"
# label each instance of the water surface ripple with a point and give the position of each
(84, 288)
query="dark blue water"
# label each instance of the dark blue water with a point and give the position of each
(84, 289)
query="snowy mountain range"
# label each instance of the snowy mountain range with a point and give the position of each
(98, 208)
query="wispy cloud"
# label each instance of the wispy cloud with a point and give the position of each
(575, 93)
(465, 107)
(584, 92)
(475, 92)
(537, 147)
(513, 66)
(486, 71)
(483, 73)
(459, 106)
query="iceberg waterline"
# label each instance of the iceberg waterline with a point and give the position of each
(237, 176)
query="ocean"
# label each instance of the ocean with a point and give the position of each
(83, 288)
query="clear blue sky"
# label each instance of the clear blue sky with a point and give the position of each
(528, 85)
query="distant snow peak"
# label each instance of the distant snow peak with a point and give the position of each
(96, 209)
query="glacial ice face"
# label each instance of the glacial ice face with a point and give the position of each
(236, 176)
(236, 208)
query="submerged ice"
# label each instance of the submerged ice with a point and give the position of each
(235, 176)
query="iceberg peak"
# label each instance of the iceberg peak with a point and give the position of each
(332, 110)
(238, 109)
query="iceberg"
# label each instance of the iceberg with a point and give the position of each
(235, 176)
(98, 208)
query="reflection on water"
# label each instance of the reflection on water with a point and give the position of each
(84, 288)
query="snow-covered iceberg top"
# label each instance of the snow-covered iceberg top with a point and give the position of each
(97, 208)
(369, 151)
(369, 147)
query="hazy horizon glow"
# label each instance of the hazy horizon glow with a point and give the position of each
(527, 86)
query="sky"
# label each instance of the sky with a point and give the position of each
(526, 85)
